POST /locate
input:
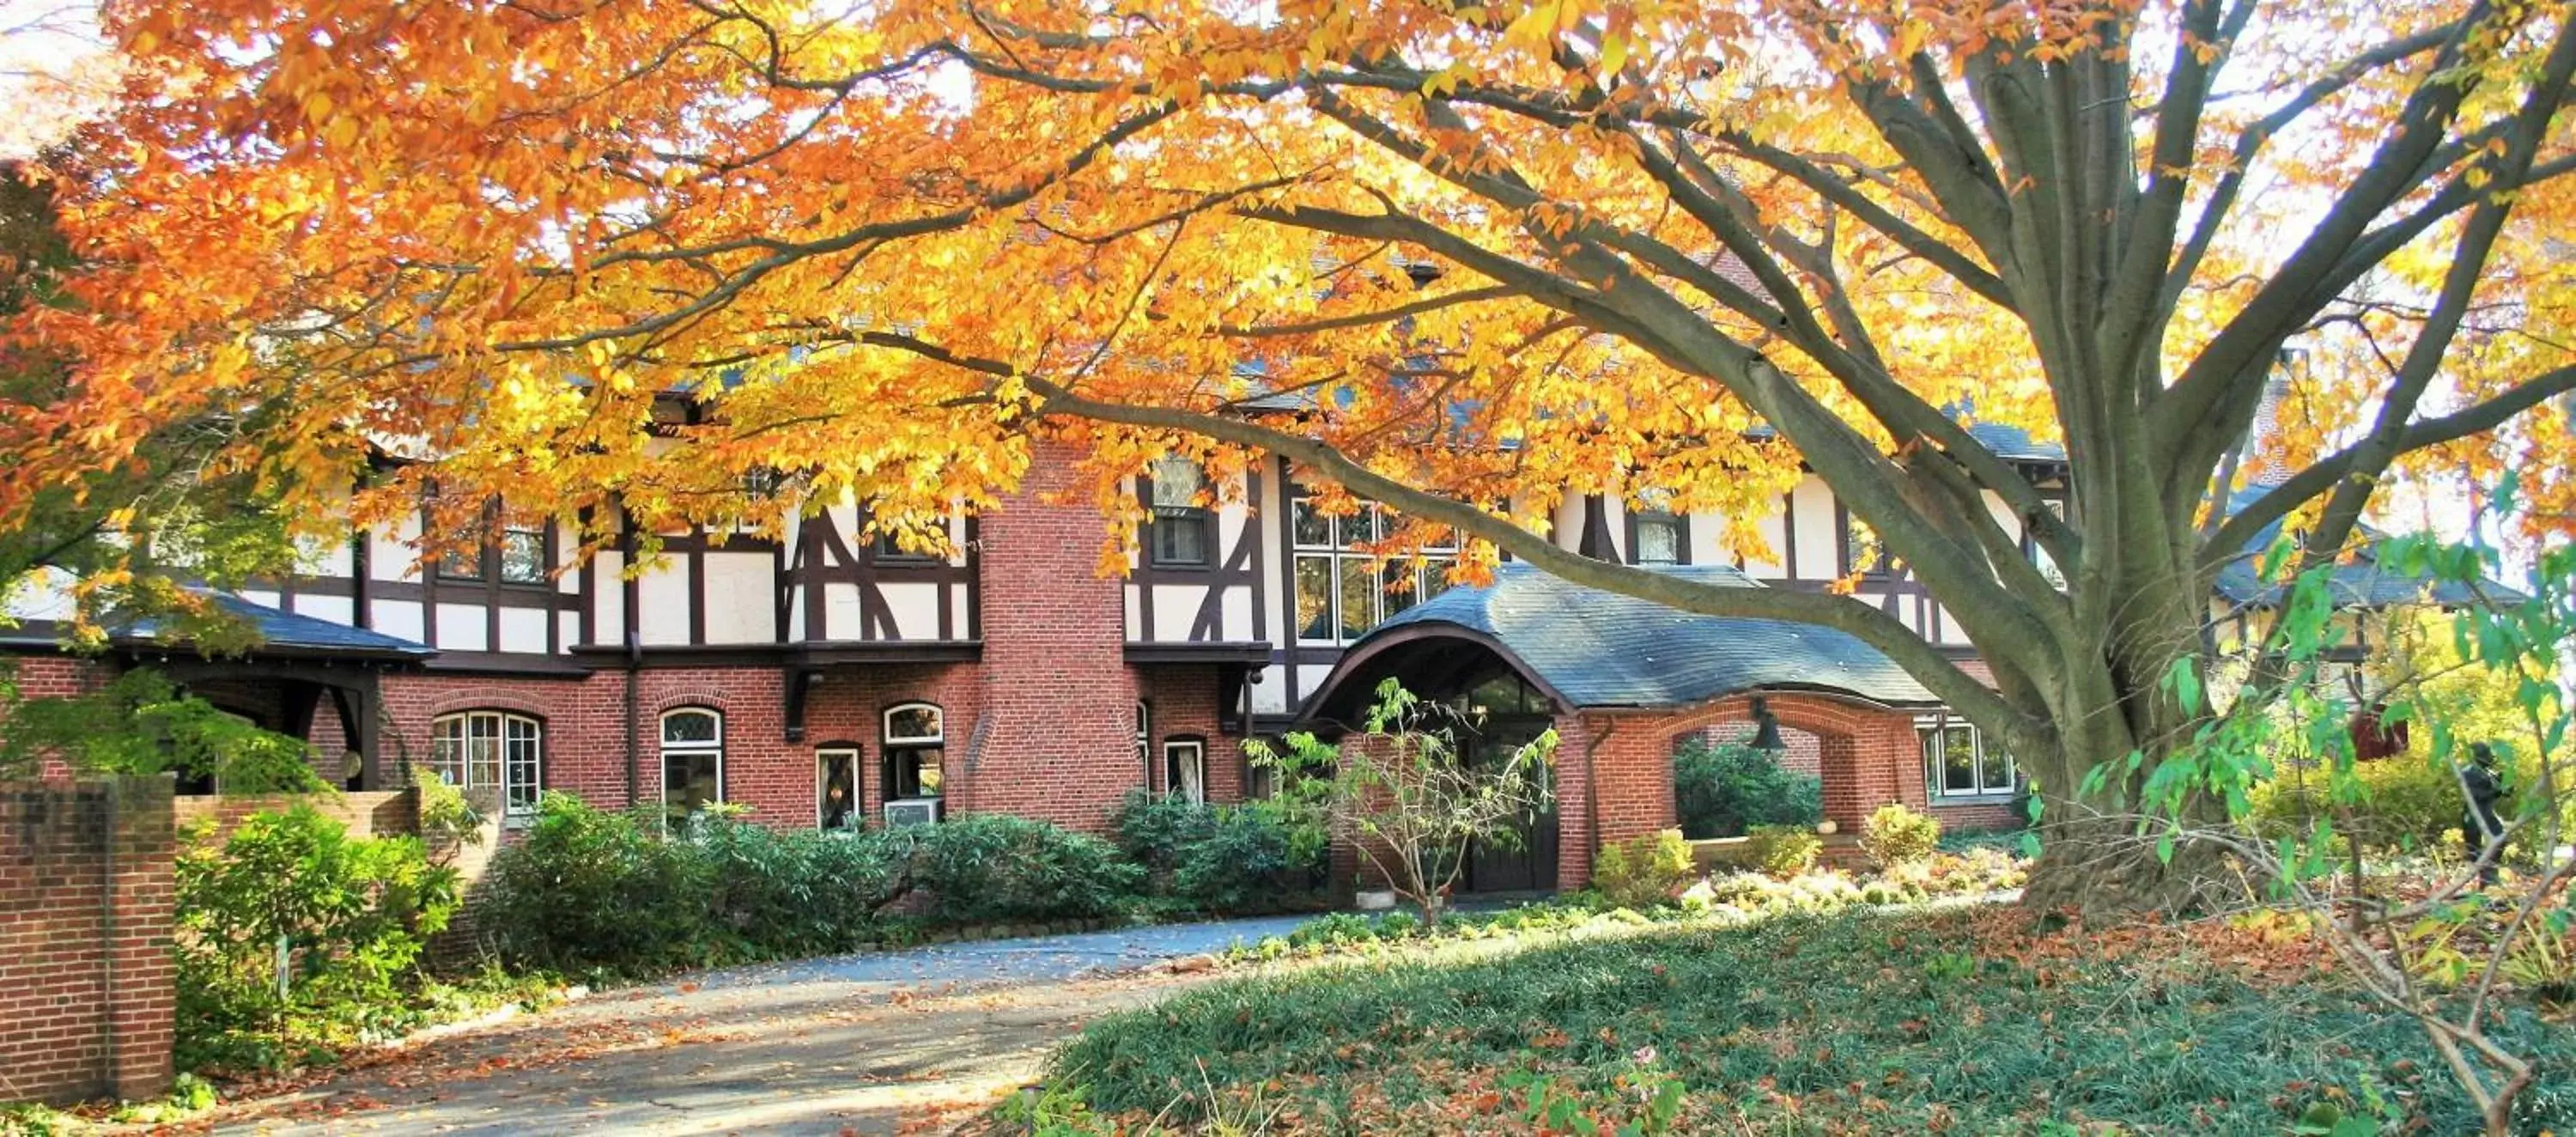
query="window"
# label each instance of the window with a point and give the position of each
(464, 560)
(523, 555)
(692, 761)
(490, 751)
(1340, 595)
(1185, 770)
(1863, 552)
(1958, 764)
(915, 747)
(1145, 738)
(2039, 555)
(1658, 537)
(1178, 535)
(836, 787)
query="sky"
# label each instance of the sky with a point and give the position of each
(51, 63)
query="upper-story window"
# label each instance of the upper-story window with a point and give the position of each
(1340, 595)
(1863, 551)
(915, 749)
(2039, 554)
(1958, 763)
(490, 750)
(692, 761)
(517, 554)
(1180, 532)
(1656, 534)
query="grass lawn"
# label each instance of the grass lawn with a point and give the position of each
(1960, 1021)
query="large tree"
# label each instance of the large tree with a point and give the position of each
(1476, 253)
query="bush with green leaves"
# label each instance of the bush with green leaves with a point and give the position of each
(588, 889)
(796, 892)
(988, 867)
(346, 915)
(1725, 789)
(1267, 855)
(1782, 850)
(1895, 835)
(1645, 870)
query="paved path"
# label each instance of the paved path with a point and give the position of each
(874, 1043)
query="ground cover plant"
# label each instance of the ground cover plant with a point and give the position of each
(1885, 1021)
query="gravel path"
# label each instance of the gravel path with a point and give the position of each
(887, 1042)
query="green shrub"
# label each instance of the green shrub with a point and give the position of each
(1783, 850)
(1259, 856)
(1724, 790)
(587, 889)
(1895, 835)
(990, 866)
(1644, 871)
(348, 913)
(797, 892)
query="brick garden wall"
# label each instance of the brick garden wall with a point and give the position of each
(86, 974)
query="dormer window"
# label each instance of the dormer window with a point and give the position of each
(1178, 533)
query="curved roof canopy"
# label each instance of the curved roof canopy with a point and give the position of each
(1588, 649)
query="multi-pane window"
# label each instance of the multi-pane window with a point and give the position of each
(915, 749)
(692, 761)
(1185, 770)
(491, 751)
(1958, 763)
(1179, 534)
(464, 559)
(523, 554)
(1340, 594)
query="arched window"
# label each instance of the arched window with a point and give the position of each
(915, 750)
(492, 751)
(692, 760)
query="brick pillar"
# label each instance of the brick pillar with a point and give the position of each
(142, 975)
(87, 982)
(1574, 777)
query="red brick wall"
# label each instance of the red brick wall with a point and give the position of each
(1867, 757)
(86, 975)
(363, 814)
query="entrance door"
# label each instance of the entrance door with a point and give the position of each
(1527, 864)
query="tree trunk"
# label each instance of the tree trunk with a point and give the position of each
(2104, 868)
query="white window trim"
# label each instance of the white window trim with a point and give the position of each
(502, 721)
(858, 793)
(1196, 750)
(938, 737)
(713, 746)
(1935, 785)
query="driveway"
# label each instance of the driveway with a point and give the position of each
(887, 1042)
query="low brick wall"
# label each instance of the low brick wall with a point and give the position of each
(365, 814)
(86, 976)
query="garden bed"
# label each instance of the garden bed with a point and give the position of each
(1862, 1019)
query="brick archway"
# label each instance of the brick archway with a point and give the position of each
(1866, 755)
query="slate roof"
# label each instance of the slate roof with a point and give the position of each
(1602, 649)
(2359, 583)
(285, 633)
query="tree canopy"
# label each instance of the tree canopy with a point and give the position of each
(1438, 253)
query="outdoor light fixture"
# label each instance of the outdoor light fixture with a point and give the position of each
(1766, 726)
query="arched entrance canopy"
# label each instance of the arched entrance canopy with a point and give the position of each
(1585, 649)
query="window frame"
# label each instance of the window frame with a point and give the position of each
(1163, 516)
(1640, 519)
(1848, 524)
(504, 763)
(1173, 748)
(1984, 760)
(893, 749)
(849, 753)
(1340, 551)
(691, 747)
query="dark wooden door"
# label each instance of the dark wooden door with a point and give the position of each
(1527, 864)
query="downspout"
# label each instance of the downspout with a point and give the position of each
(634, 660)
(1592, 786)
